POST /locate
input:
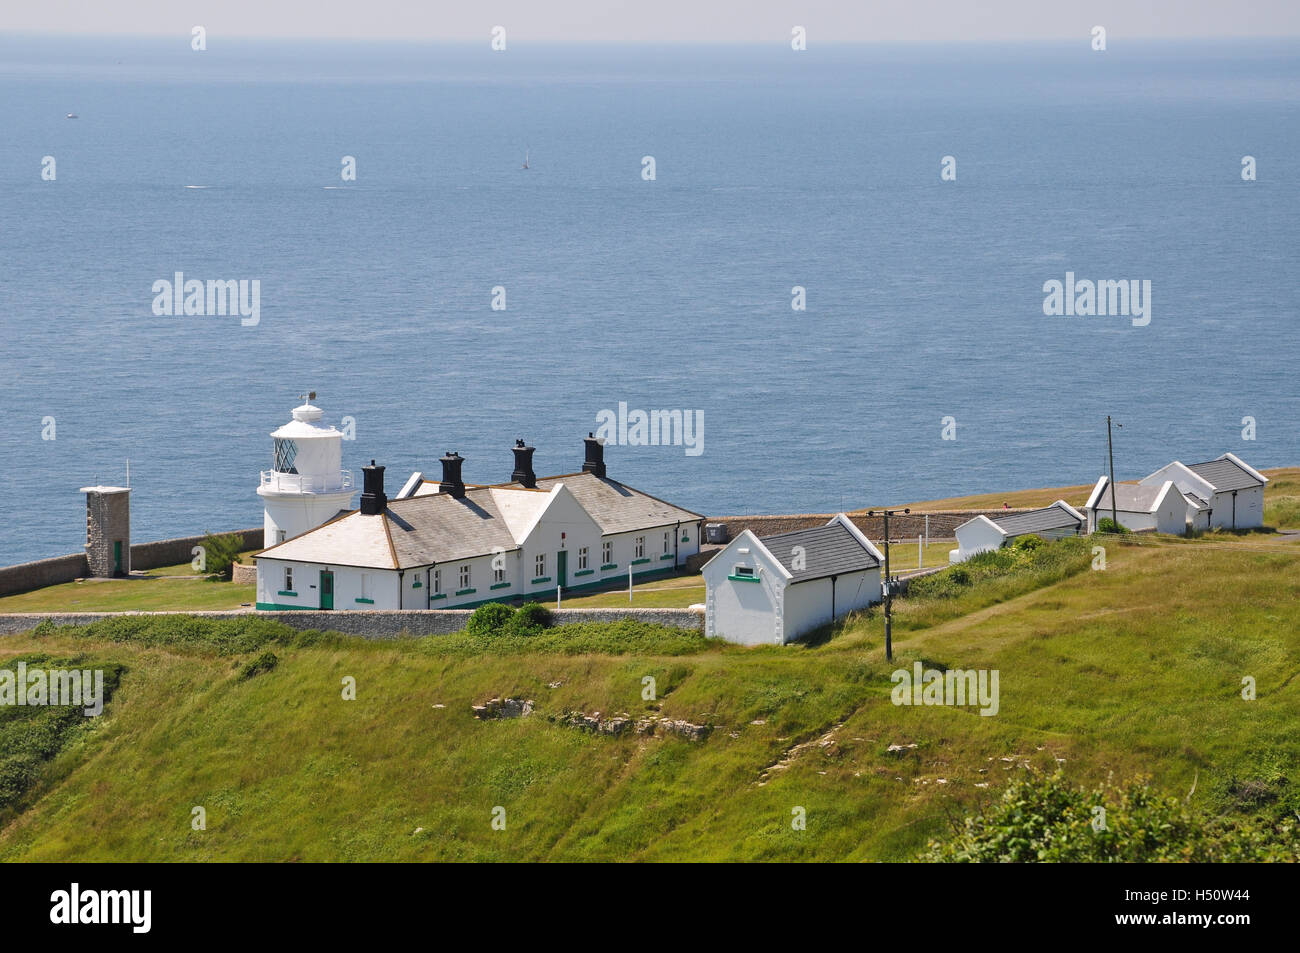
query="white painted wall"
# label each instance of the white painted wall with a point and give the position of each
(978, 535)
(1250, 509)
(740, 611)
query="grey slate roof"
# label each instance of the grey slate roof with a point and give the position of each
(1224, 475)
(1036, 521)
(828, 551)
(440, 528)
(616, 507)
(1131, 497)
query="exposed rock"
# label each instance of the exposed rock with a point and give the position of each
(618, 725)
(503, 708)
(900, 749)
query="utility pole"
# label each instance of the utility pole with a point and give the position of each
(889, 622)
(1110, 452)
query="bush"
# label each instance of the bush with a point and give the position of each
(529, 619)
(1048, 819)
(489, 619)
(1029, 542)
(254, 667)
(1108, 525)
(221, 553)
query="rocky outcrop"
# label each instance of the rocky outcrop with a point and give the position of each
(503, 708)
(618, 725)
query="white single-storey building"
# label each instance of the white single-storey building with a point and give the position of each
(773, 590)
(1224, 492)
(1160, 507)
(983, 534)
(448, 545)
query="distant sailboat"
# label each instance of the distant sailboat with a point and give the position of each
(73, 116)
(525, 158)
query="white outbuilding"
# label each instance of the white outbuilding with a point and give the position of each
(1223, 493)
(983, 534)
(1160, 507)
(773, 590)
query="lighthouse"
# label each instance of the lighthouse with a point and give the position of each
(307, 484)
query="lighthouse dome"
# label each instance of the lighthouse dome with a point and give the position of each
(305, 425)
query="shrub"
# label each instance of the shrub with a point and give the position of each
(529, 619)
(254, 667)
(1029, 542)
(1041, 818)
(1108, 525)
(489, 619)
(221, 553)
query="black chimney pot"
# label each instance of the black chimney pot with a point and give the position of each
(373, 500)
(524, 466)
(595, 455)
(451, 481)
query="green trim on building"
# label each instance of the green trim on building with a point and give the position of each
(369, 602)
(638, 562)
(440, 595)
(541, 579)
(584, 572)
(743, 578)
(499, 585)
(279, 607)
(609, 566)
(417, 585)
(465, 592)
(286, 592)
(665, 556)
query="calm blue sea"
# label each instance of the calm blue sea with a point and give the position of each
(774, 169)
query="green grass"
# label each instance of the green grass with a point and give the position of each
(1135, 670)
(156, 591)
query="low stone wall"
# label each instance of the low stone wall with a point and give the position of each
(378, 624)
(43, 572)
(165, 552)
(243, 574)
(942, 523)
(173, 552)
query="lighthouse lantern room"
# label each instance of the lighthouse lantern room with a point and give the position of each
(307, 484)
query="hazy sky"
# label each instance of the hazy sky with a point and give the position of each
(672, 21)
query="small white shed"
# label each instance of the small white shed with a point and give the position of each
(982, 534)
(1160, 507)
(1224, 492)
(773, 590)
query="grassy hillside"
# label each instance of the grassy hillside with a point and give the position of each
(1135, 670)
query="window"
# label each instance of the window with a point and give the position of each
(498, 575)
(288, 579)
(640, 547)
(744, 571)
(582, 557)
(280, 535)
(668, 542)
(437, 582)
(286, 451)
(540, 563)
(607, 552)
(464, 576)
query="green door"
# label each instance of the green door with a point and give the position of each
(117, 557)
(561, 565)
(326, 589)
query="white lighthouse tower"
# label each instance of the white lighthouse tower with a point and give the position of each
(307, 485)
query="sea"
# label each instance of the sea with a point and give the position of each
(679, 205)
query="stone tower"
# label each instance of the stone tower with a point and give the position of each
(108, 530)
